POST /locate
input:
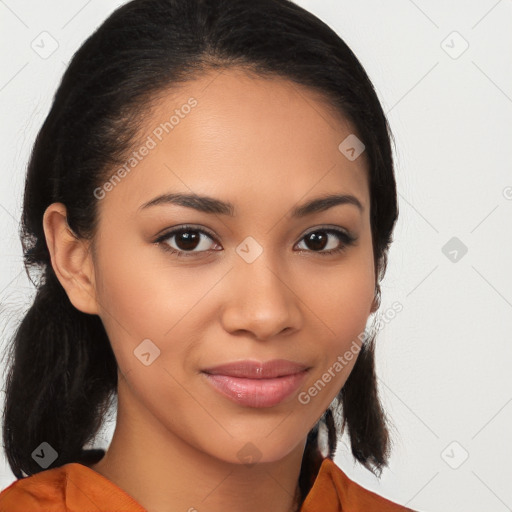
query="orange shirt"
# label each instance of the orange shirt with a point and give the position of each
(75, 487)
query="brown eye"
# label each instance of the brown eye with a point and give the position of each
(318, 241)
(186, 240)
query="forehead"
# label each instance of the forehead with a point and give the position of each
(244, 139)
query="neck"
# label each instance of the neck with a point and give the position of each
(164, 473)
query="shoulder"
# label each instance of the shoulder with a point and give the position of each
(333, 490)
(72, 486)
(41, 491)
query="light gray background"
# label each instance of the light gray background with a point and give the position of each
(444, 361)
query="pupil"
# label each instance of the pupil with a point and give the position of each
(187, 241)
(318, 240)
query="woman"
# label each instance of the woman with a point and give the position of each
(210, 202)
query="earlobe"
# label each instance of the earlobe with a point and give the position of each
(70, 259)
(376, 302)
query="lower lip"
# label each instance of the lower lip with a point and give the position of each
(256, 392)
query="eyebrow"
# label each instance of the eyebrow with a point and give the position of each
(211, 205)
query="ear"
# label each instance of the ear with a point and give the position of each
(375, 304)
(71, 259)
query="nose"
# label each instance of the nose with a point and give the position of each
(260, 300)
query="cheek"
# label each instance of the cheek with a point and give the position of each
(342, 301)
(142, 306)
(129, 299)
(342, 306)
(143, 297)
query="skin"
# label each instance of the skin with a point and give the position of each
(266, 145)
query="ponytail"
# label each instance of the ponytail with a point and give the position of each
(362, 412)
(59, 383)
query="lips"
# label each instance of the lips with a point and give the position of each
(257, 370)
(256, 384)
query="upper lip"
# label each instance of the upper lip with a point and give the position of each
(256, 369)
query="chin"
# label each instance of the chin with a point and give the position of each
(249, 450)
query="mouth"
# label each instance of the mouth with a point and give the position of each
(257, 370)
(256, 384)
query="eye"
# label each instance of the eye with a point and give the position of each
(319, 240)
(193, 241)
(187, 238)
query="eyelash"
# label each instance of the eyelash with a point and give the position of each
(346, 239)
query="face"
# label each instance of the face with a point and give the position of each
(256, 282)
